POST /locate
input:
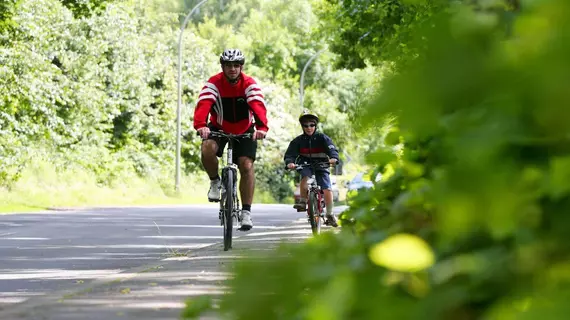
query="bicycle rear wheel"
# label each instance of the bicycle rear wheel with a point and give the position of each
(228, 208)
(314, 214)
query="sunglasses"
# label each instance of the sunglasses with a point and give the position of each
(309, 125)
(230, 65)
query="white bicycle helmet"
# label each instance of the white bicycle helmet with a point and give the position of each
(307, 115)
(232, 55)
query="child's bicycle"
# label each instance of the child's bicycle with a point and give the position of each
(315, 199)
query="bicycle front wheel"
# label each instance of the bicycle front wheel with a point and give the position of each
(228, 208)
(314, 214)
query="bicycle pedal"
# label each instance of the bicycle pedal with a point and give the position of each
(213, 200)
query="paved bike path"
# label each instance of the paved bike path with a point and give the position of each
(158, 289)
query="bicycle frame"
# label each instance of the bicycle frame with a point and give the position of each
(230, 166)
(315, 198)
(316, 189)
(229, 204)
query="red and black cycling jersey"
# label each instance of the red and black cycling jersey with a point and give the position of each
(316, 147)
(232, 107)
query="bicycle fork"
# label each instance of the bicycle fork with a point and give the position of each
(223, 190)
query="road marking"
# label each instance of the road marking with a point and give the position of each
(270, 233)
(52, 274)
(198, 226)
(25, 238)
(120, 246)
(182, 237)
(272, 239)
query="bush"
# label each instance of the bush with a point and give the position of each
(470, 220)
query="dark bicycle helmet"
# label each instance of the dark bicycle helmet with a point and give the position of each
(232, 55)
(307, 115)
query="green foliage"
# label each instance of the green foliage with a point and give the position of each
(94, 84)
(85, 8)
(195, 307)
(481, 178)
(105, 83)
(373, 31)
(7, 9)
(274, 34)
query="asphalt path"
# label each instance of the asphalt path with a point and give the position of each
(49, 251)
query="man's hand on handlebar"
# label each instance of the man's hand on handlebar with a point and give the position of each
(259, 135)
(204, 132)
(291, 166)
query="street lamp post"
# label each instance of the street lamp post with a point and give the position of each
(179, 108)
(301, 91)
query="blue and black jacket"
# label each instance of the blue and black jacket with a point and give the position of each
(316, 147)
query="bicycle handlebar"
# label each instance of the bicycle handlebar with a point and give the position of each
(230, 135)
(227, 135)
(321, 164)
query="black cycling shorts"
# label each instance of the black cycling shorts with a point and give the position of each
(243, 147)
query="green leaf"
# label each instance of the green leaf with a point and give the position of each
(402, 252)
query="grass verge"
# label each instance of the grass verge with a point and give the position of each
(41, 186)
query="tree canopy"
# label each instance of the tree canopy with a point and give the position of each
(92, 84)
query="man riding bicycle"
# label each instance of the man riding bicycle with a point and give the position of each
(313, 146)
(233, 100)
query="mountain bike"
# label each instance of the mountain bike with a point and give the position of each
(229, 202)
(315, 198)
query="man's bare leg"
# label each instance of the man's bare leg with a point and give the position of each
(209, 159)
(247, 180)
(210, 163)
(246, 189)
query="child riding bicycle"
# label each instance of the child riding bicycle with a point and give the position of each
(313, 146)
